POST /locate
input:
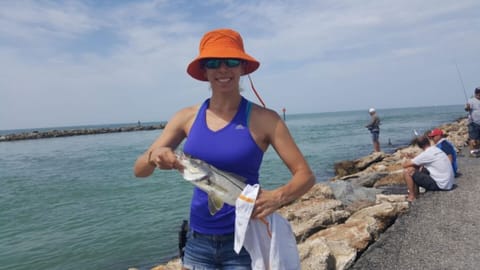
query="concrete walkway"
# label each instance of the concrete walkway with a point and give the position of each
(440, 231)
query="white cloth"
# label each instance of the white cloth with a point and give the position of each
(439, 166)
(270, 241)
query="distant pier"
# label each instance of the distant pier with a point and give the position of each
(75, 132)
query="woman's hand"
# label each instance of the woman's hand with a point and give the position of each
(164, 158)
(267, 202)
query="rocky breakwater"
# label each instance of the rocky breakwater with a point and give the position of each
(337, 220)
(75, 132)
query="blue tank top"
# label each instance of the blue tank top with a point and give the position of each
(231, 149)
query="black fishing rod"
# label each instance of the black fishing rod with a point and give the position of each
(461, 81)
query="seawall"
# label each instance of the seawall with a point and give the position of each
(75, 132)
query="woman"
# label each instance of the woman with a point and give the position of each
(232, 134)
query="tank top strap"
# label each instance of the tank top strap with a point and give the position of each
(248, 112)
(243, 113)
(204, 107)
(201, 118)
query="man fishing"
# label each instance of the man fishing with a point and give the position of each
(374, 127)
(473, 109)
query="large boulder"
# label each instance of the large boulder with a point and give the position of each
(347, 167)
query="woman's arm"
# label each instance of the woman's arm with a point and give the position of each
(277, 134)
(160, 154)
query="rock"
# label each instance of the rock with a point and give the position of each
(364, 162)
(381, 215)
(314, 211)
(345, 241)
(355, 234)
(322, 254)
(348, 167)
(348, 193)
(345, 167)
(316, 255)
(172, 265)
(367, 179)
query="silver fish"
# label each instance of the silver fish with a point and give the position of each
(221, 187)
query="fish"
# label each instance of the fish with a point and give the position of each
(220, 186)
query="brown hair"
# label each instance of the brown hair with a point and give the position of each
(421, 141)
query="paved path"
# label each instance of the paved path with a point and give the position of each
(440, 231)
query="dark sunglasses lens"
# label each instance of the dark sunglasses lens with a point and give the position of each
(215, 63)
(232, 62)
(212, 63)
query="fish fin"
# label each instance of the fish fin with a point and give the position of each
(214, 204)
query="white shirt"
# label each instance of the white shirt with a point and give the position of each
(439, 166)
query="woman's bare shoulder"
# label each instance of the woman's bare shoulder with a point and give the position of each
(184, 116)
(187, 112)
(263, 118)
(263, 111)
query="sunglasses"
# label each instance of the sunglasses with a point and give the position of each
(214, 63)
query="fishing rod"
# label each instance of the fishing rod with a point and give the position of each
(461, 81)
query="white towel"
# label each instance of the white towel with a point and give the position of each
(269, 241)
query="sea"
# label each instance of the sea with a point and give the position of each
(74, 203)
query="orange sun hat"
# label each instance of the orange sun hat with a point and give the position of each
(221, 43)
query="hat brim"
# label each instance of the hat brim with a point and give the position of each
(196, 70)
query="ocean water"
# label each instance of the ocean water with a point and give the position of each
(73, 202)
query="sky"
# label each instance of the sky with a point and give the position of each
(66, 63)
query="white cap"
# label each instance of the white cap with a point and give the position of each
(371, 110)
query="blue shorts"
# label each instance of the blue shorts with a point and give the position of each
(205, 252)
(375, 135)
(473, 131)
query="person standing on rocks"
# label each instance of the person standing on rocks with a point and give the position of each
(446, 146)
(473, 109)
(374, 128)
(431, 169)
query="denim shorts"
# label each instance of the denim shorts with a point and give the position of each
(375, 136)
(208, 252)
(473, 131)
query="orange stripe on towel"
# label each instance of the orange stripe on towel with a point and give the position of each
(264, 221)
(245, 198)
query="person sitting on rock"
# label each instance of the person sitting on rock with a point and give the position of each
(431, 169)
(446, 146)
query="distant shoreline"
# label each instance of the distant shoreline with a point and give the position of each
(55, 133)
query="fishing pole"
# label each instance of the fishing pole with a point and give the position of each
(461, 81)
